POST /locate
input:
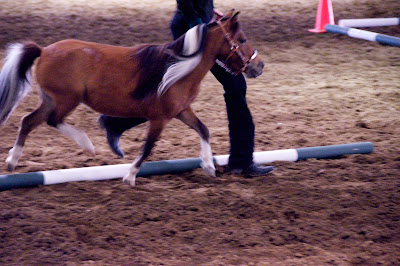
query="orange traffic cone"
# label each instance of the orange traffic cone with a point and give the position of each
(324, 16)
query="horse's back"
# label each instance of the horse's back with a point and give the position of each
(79, 56)
(100, 75)
(74, 64)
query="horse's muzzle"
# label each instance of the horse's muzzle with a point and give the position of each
(254, 69)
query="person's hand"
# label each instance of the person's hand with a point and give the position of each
(217, 15)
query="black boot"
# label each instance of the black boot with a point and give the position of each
(252, 170)
(114, 127)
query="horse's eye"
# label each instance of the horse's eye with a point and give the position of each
(242, 41)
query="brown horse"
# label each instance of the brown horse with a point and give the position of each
(157, 82)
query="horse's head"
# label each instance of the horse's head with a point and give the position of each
(236, 52)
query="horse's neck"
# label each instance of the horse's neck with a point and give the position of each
(211, 50)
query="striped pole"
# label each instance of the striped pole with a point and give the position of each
(174, 166)
(365, 35)
(368, 22)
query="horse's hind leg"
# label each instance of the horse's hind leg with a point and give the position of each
(62, 108)
(154, 131)
(189, 118)
(78, 135)
(28, 123)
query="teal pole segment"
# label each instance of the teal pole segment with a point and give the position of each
(334, 151)
(388, 40)
(169, 166)
(21, 180)
(336, 29)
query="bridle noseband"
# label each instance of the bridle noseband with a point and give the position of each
(235, 49)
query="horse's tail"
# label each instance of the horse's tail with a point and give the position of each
(15, 76)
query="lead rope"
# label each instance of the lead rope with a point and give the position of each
(224, 66)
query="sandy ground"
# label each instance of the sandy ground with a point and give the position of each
(317, 89)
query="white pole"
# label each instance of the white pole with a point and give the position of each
(368, 22)
(362, 34)
(264, 157)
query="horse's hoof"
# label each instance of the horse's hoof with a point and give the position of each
(11, 167)
(129, 179)
(209, 169)
(91, 152)
(10, 164)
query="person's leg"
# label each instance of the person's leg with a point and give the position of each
(241, 126)
(114, 127)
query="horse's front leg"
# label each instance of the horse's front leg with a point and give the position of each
(154, 131)
(189, 118)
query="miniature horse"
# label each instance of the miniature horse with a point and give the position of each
(157, 82)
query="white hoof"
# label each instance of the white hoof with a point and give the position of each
(90, 150)
(13, 156)
(130, 179)
(86, 144)
(11, 164)
(209, 169)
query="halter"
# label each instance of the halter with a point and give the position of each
(234, 49)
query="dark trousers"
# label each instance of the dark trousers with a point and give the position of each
(241, 126)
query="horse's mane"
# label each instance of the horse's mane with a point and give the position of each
(163, 65)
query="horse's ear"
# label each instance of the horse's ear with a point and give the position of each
(235, 26)
(229, 14)
(235, 17)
